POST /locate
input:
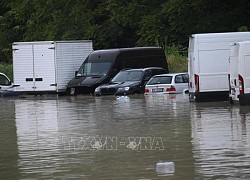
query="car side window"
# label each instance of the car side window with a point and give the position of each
(185, 78)
(178, 79)
(4, 81)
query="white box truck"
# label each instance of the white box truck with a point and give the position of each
(47, 66)
(239, 73)
(208, 60)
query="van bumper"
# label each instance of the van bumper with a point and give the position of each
(75, 90)
(209, 96)
(244, 99)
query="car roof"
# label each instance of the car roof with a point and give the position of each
(170, 74)
(142, 69)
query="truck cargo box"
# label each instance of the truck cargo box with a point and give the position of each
(47, 66)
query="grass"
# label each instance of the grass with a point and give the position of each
(7, 69)
(177, 60)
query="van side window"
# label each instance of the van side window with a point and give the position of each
(178, 79)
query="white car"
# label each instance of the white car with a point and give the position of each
(6, 86)
(167, 83)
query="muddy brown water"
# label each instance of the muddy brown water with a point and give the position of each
(86, 137)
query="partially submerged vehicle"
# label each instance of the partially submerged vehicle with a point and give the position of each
(167, 84)
(127, 82)
(6, 86)
(102, 65)
(208, 56)
(239, 73)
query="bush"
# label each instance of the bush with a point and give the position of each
(7, 69)
(177, 59)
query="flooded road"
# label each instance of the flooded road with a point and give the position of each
(88, 137)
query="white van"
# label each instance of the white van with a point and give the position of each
(208, 56)
(239, 73)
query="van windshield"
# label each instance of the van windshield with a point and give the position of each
(94, 68)
(125, 76)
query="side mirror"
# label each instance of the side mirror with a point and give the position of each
(76, 72)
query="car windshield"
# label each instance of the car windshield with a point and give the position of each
(4, 81)
(160, 80)
(94, 68)
(125, 76)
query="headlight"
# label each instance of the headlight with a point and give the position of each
(123, 89)
(97, 89)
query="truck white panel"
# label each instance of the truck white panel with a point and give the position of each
(77, 53)
(47, 65)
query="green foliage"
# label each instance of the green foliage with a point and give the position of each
(7, 69)
(243, 29)
(177, 59)
(117, 23)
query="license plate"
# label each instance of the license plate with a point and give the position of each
(233, 91)
(157, 90)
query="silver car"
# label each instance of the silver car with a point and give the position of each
(167, 84)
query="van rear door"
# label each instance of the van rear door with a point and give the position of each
(233, 71)
(247, 74)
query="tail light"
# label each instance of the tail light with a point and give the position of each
(171, 89)
(241, 84)
(229, 83)
(196, 82)
(146, 91)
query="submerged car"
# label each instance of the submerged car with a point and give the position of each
(167, 83)
(128, 81)
(6, 86)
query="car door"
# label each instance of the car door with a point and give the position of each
(180, 83)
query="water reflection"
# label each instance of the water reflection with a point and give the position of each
(92, 137)
(8, 141)
(221, 140)
(87, 137)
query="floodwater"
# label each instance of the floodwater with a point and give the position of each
(86, 137)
